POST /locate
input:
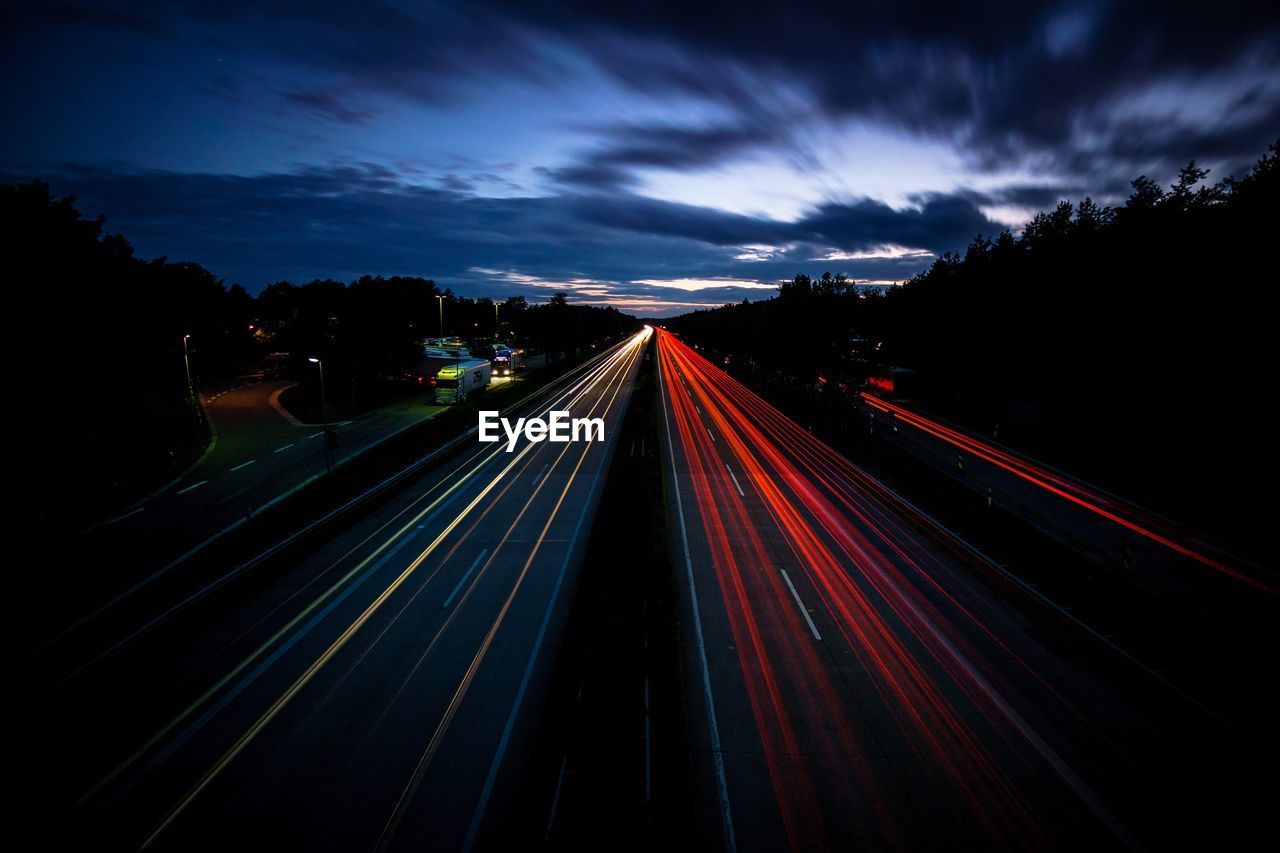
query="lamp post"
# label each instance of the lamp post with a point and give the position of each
(441, 298)
(191, 386)
(324, 413)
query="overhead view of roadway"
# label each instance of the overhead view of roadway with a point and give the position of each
(372, 697)
(850, 673)
(856, 681)
(1125, 522)
(260, 454)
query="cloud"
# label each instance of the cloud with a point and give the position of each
(1004, 85)
(1083, 95)
(328, 105)
(941, 222)
(1074, 87)
(611, 165)
(705, 284)
(630, 251)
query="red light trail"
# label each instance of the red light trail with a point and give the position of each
(1106, 506)
(895, 626)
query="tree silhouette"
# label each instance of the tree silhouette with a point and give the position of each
(1086, 337)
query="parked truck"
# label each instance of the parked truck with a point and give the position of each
(455, 382)
(453, 373)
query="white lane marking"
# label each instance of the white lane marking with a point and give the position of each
(735, 481)
(462, 582)
(244, 465)
(286, 447)
(316, 434)
(346, 423)
(696, 406)
(722, 785)
(131, 512)
(538, 478)
(786, 577)
(192, 487)
(710, 433)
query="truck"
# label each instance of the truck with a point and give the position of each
(454, 373)
(454, 382)
(507, 361)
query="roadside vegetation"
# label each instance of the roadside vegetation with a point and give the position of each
(115, 344)
(1129, 345)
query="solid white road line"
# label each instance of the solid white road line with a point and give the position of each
(722, 784)
(191, 488)
(786, 577)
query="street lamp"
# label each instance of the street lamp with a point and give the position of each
(441, 298)
(191, 386)
(324, 413)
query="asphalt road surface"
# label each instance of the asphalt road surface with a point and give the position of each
(852, 682)
(378, 695)
(261, 454)
(852, 675)
(1095, 522)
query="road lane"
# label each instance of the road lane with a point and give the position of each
(377, 695)
(1023, 483)
(259, 454)
(865, 687)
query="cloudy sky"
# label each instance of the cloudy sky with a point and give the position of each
(657, 156)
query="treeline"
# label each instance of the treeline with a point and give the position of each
(103, 403)
(1131, 343)
(106, 339)
(373, 328)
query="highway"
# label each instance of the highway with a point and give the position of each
(852, 680)
(260, 455)
(1080, 514)
(380, 694)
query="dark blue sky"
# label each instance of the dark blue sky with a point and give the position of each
(656, 158)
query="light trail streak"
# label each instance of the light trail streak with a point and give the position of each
(778, 697)
(579, 382)
(1110, 508)
(717, 751)
(579, 376)
(916, 657)
(464, 686)
(608, 371)
(496, 764)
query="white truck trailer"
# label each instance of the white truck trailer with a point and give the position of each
(456, 372)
